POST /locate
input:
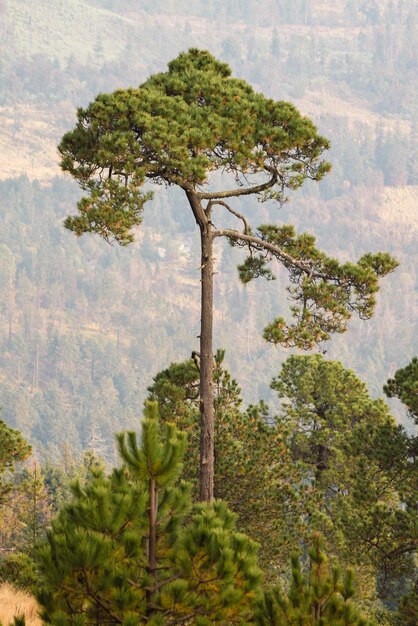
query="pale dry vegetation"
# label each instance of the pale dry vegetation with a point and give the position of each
(28, 138)
(401, 205)
(14, 602)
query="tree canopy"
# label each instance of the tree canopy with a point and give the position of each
(176, 128)
(333, 459)
(320, 597)
(182, 125)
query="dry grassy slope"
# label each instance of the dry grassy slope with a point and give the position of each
(16, 603)
(28, 140)
(63, 28)
(353, 110)
(401, 206)
(74, 28)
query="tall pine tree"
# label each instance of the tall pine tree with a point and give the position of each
(178, 128)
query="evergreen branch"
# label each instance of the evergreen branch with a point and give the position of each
(101, 604)
(185, 619)
(262, 245)
(155, 587)
(90, 593)
(401, 550)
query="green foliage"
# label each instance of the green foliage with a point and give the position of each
(108, 210)
(254, 267)
(408, 608)
(326, 296)
(404, 385)
(324, 402)
(310, 468)
(180, 125)
(13, 449)
(129, 548)
(322, 597)
(177, 128)
(176, 389)
(19, 569)
(357, 461)
(254, 470)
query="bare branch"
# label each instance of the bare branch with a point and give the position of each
(245, 191)
(212, 203)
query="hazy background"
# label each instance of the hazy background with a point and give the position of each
(85, 326)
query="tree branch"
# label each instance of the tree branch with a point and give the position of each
(262, 245)
(212, 203)
(199, 214)
(246, 191)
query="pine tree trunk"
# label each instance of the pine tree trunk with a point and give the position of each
(321, 461)
(207, 423)
(152, 542)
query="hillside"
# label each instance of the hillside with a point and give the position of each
(85, 326)
(73, 43)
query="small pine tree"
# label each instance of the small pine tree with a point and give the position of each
(13, 449)
(323, 597)
(404, 385)
(15, 562)
(34, 510)
(131, 549)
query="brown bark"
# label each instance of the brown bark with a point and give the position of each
(207, 422)
(152, 539)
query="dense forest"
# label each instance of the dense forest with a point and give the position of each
(58, 286)
(89, 331)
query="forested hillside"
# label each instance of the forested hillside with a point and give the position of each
(253, 483)
(84, 326)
